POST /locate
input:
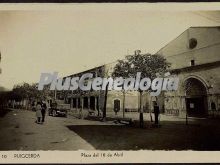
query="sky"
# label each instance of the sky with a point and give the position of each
(74, 40)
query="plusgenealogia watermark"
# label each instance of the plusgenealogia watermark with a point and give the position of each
(87, 82)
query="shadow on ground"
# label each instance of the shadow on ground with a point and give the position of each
(170, 136)
(3, 112)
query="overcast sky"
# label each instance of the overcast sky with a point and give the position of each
(70, 41)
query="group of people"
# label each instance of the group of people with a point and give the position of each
(41, 112)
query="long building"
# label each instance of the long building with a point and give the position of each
(94, 100)
(195, 59)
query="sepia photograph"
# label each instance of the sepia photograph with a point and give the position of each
(116, 78)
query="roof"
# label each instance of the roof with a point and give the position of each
(90, 69)
(191, 27)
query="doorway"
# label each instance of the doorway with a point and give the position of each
(116, 105)
(196, 98)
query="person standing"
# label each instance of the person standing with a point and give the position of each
(38, 112)
(156, 113)
(43, 111)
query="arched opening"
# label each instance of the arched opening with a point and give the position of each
(74, 103)
(85, 102)
(80, 102)
(92, 102)
(196, 98)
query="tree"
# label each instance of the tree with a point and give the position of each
(29, 92)
(104, 72)
(149, 66)
(4, 95)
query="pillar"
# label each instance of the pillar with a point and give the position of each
(182, 108)
(77, 103)
(82, 102)
(89, 102)
(95, 103)
(71, 103)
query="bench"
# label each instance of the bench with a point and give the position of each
(125, 121)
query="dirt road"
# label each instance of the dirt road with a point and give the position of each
(20, 132)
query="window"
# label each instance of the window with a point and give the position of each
(192, 43)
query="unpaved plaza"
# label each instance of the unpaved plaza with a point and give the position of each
(20, 132)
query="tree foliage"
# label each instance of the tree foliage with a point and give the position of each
(29, 91)
(149, 66)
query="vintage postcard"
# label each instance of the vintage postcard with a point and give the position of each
(110, 83)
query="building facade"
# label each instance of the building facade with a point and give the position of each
(116, 101)
(195, 59)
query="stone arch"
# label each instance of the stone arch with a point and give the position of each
(196, 90)
(202, 80)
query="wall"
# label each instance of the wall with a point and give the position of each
(208, 45)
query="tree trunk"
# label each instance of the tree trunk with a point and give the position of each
(141, 116)
(186, 119)
(151, 118)
(105, 102)
(55, 94)
(123, 108)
